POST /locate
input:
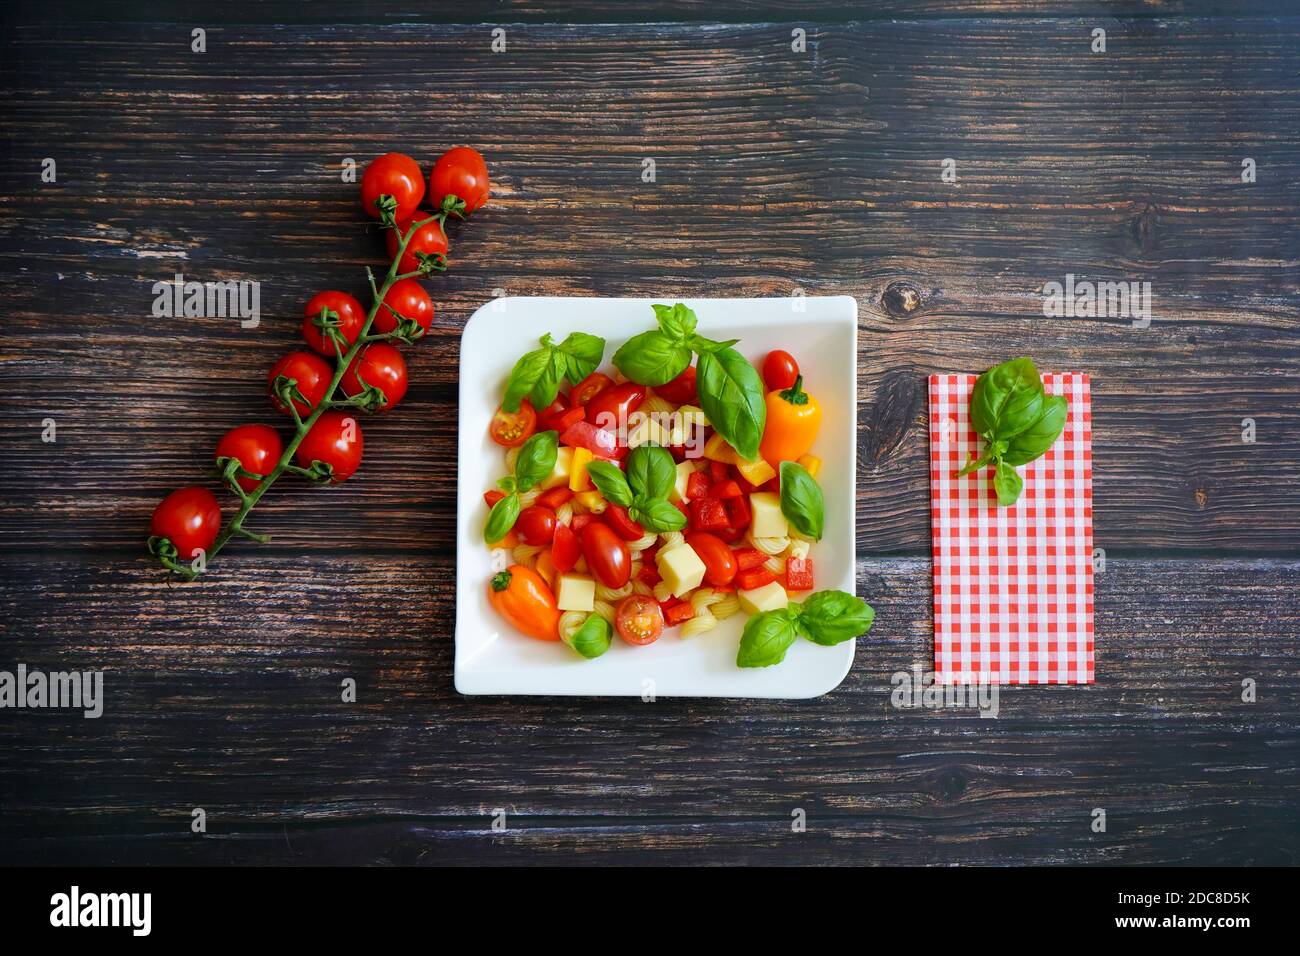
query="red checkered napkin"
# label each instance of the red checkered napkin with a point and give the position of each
(1012, 586)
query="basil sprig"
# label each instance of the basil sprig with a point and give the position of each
(643, 490)
(535, 460)
(1017, 420)
(801, 500)
(538, 373)
(591, 639)
(730, 390)
(826, 618)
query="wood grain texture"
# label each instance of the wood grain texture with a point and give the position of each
(776, 172)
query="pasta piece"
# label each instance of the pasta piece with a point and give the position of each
(578, 507)
(564, 513)
(640, 587)
(776, 564)
(768, 545)
(662, 591)
(604, 609)
(670, 539)
(703, 620)
(528, 498)
(728, 604)
(643, 542)
(598, 506)
(512, 456)
(655, 405)
(798, 548)
(526, 554)
(614, 595)
(570, 621)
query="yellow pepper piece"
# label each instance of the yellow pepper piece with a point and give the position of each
(591, 500)
(811, 464)
(756, 472)
(717, 449)
(579, 480)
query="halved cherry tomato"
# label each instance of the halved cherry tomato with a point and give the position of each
(334, 440)
(351, 313)
(429, 239)
(555, 497)
(607, 555)
(396, 175)
(639, 619)
(779, 369)
(521, 596)
(257, 447)
(461, 172)
(598, 441)
(565, 549)
(681, 390)
(512, 429)
(380, 365)
(623, 526)
(536, 525)
(719, 563)
(313, 375)
(589, 388)
(190, 518)
(612, 406)
(408, 298)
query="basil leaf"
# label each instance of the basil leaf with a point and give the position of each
(592, 638)
(652, 358)
(536, 459)
(766, 638)
(677, 321)
(731, 394)
(657, 514)
(832, 617)
(650, 471)
(524, 377)
(502, 518)
(582, 355)
(1007, 399)
(548, 383)
(700, 344)
(1007, 484)
(1041, 435)
(801, 500)
(610, 482)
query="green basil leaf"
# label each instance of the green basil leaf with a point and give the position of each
(592, 639)
(650, 471)
(502, 518)
(731, 394)
(1007, 399)
(548, 383)
(700, 344)
(1007, 483)
(536, 459)
(801, 500)
(610, 482)
(582, 355)
(677, 321)
(524, 377)
(1041, 435)
(657, 514)
(832, 617)
(766, 638)
(652, 358)
(507, 484)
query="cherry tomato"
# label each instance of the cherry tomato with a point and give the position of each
(396, 175)
(681, 390)
(719, 562)
(408, 298)
(428, 238)
(779, 369)
(611, 407)
(459, 172)
(565, 549)
(607, 555)
(512, 429)
(258, 448)
(336, 441)
(380, 365)
(589, 388)
(190, 518)
(352, 316)
(536, 525)
(639, 619)
(313, 375)
(621, 524)
(558, 416)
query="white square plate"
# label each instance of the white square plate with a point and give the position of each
(492, 658)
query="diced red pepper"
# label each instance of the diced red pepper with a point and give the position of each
(581, 521)
(723, 587)
(681, 506)
(598, 441)
(668, 605)
(617, 518)
(773, 485)
(492, 497)
(718, 472)
(555, 497)
(708, 514)
(798, 574)
(754, 578)
(678, 452)
(565, 549)
(697, 485)
(726, 489)
(649, 574)
(730, 535)
(678, 613)
(747, 558)
(738, 512)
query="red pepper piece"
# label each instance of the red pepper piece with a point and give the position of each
(708, 514)
(747, 558)
(798, 574)
(754, 578)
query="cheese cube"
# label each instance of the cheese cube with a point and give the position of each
(579, 480)
(811, 464)
(767, 522)
(559, 474)
(684, 471)
(770, 597)
(646, 431)
(681, 567)
(755, 472)
(576, 592)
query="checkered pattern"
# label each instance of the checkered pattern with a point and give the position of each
(1013, 600)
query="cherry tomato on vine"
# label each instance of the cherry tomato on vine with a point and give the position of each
(407, 297)
(461, 172)
(779, 369)
(313, 375)
(607, 555)
(719, 561)
(536, 525)
(352, 316)
(611, 407)
(396, 175)
(190, 518)
(589, 388)
(681, 390)
(428, 238)
(512, 429)
(334, 440)
(639, 619)
(258, 448)
(380, 365)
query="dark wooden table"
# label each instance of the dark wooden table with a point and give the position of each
(776, 170)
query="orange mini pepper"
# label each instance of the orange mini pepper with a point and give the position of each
(793, 417)
(523, 598)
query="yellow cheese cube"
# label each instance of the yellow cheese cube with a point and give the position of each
(579, 480)
(646, 431)
(811, 464)
(684, 471)
(755, 472)
(770, 597)
(576, 592)
(591, 500)
(717, 449)
(560, 472)
(767, 521)
(681, 567)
